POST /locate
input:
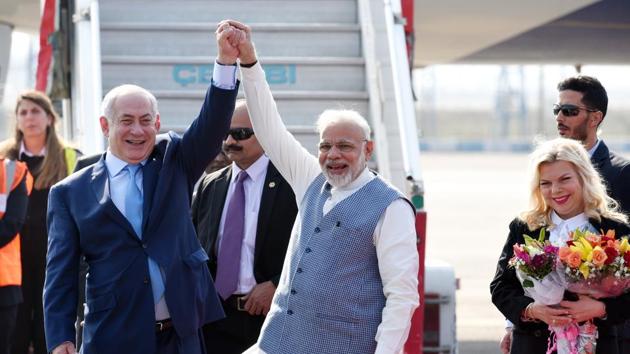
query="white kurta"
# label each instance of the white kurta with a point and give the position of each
(394, 236)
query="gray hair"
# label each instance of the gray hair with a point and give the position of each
(107, 106)
(336, 116)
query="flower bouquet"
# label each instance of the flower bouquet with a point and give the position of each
(595, 265)
(535, 265)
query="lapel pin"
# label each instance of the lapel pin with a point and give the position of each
(272, 184)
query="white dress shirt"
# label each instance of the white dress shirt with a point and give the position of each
(29, 153)
(394, 236)
(253, 187)
(559, 233)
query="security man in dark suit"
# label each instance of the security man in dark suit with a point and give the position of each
(581, 108)
(246, 276)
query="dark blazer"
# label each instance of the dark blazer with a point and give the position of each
(615, 170)
(509, 298)
(616, 173)
(86, 161)
(82, 219)
(275, 220)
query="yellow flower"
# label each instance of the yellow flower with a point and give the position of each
(585, 270)
(624, 246)
(585, 248)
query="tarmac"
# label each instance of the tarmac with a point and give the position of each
(470, 198)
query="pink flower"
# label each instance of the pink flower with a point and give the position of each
(520, 253)
(599, 256)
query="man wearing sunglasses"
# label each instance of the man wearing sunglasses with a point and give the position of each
(581, 108)
(349, 283)
(269, 213)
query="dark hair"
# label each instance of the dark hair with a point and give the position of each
(594, 94)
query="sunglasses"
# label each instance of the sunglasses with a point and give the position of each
(570, 110)
(240, 133)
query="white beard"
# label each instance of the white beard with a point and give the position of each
(343, 180)
(338, 181)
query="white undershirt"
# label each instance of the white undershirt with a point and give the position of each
(394, 236)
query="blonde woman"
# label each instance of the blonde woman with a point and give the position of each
(566, 193)
(49, 159)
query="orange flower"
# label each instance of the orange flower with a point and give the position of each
(593, 239)
(610, 234)
(564, 253)
(574, 259)
(599, 256)
(613, 243)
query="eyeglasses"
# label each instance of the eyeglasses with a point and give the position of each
(341, 146)
(240, 133)
(570, 110)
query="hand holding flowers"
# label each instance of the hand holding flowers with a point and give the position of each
(591, 265)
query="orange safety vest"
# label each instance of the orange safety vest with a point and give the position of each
(11, 174)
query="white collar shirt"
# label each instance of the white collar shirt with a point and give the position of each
(559, 233)
(28, 153)
(394, 236)
(591, 151)
(253, 187)
(337, 194)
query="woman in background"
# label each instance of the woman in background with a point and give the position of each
(566, 193)
(49, 159)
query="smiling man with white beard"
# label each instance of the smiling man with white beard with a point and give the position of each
(349, 281)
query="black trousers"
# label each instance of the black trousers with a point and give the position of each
(623, 333)
(29, 328)
(8, 314)
(166, 342)
(233, 334)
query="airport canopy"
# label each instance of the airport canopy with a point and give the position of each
(534, 31)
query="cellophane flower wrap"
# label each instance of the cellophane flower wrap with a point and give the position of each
(535, 266)
(595, 265)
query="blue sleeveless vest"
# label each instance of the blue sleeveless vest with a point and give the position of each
(332, 299)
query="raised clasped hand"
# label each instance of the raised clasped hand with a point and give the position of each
(228, 40)
(239, 41)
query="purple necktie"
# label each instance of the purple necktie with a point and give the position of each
(229, 258)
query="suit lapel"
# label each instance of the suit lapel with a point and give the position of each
(217, 203)
(270, 188)
(600, 155)
(100, 187)
(149, 180)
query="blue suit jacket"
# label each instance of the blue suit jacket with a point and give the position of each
(83, 220)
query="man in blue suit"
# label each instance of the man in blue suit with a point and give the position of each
(148, 287)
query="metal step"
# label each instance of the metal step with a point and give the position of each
(178, 109)
(310, 49)
(195, 73)
(248, 11)
(197, 39)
